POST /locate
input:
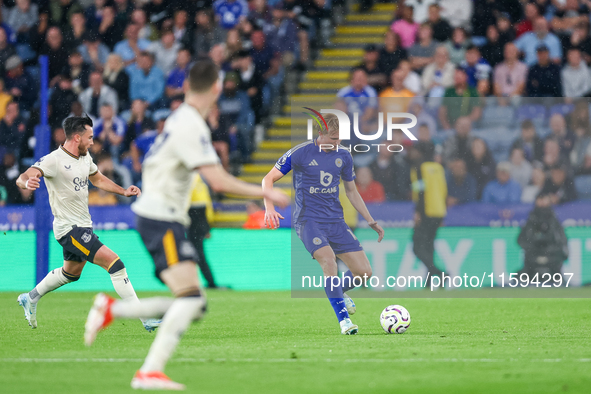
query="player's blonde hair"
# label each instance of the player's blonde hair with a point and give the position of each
(332, 121)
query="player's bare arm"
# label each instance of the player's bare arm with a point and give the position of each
(102, 182)
(222, 182)
(358, 203)
(272, 217)
(29, 179)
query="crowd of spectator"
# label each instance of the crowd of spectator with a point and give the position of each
(123, 62)
(498, 87)
(465, 67)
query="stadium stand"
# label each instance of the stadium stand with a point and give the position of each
(124, 61)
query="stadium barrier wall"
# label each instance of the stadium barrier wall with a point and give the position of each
(473, 251)
(262, 259)
(390, 214)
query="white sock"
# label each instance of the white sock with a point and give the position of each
(123, 285)
(124, 288)
(53, 280)
(146, 308)
(176, 320)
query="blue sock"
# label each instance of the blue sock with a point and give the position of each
(348, 281)
(335, 296)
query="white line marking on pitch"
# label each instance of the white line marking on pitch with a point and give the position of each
(290, 360)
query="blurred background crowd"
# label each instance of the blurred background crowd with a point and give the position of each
(500, 90)
(123, 62)
(498, 86)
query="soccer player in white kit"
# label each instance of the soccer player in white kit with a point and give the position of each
(67, 171)
(168, 169)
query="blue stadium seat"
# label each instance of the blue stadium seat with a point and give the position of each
(562, 109)
(534, 112)
(498, 116)
(583, 186)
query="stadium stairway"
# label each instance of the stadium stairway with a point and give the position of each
(329, 74)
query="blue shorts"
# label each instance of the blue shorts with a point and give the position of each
(337, 235)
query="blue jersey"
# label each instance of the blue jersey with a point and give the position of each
(145, 141)
(316, 178)
(478, 72)
(359, 101)
(230, 12)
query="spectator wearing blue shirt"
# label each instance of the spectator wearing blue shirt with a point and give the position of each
(477, 70)
(94, 14)
(10, 35)
(141, 145)
(359, 96)
(146, 81)
(110, 130)
(130, 48)
(503, 190)
(22, 16)
(268, 62)
(93, 51)
(461, 186)
(139, 121)
(283, 36)
(236, 116)
(174, 83)
(230, 12)
(261, 53)
(529, 42)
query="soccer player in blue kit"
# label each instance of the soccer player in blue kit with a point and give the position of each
(318, 167)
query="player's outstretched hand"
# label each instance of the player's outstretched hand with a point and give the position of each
(133, 191)
(32, 183)
(272, 219)
(378, 229)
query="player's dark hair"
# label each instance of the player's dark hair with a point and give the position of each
(203, 75)
(76, 125)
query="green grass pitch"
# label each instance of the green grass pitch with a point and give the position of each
(267, 342)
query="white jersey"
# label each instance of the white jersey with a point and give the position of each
(168, 168)
(66, 178)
